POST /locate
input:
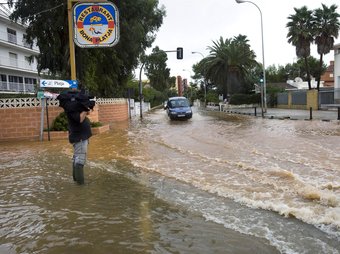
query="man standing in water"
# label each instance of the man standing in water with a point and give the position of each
(79, 134)
(77, 106)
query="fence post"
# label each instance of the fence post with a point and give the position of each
(338, 113)
(310, 113)
(255, 111)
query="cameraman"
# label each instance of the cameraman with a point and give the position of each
(79, 134)
(77, 106)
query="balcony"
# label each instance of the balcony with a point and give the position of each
(14, 87)
(12, 40)
(15, 64)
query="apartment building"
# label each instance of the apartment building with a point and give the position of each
(18, 66)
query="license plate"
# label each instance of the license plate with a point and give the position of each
(181, 115)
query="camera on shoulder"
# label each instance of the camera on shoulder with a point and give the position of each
(76, 101)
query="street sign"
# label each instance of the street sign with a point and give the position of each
(96, 24)
(49, 83)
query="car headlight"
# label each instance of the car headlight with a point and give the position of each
(189, 111)
(173, 112)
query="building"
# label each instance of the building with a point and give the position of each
(337, 73)
(328, 76)
(179, 85)
(18, 64)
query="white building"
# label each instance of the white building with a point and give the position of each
(337, 73)
(17, 73)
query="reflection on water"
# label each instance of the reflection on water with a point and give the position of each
(207, 185)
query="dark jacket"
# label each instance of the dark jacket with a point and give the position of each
(78, 131)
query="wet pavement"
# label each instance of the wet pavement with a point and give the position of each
(217, 183)
(293, 114)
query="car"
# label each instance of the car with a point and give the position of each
(178, 108)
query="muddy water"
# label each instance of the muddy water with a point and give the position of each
(214, 184)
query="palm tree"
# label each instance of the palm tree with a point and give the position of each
(228, 63)
(326, 27)
(300, 34)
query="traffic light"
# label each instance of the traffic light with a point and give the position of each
(179, 53)
(261, 77)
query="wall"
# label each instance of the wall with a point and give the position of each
(302, 99)
(337, 74)
(20, 118)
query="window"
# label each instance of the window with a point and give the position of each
(15, 79)
(28, 60)
(26, 44)
(3, 78)
(13, 59)
(3, 82)
(32, 81)
(12, 35)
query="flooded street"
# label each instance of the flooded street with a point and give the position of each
(214, 184)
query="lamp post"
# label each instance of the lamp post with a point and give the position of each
(205, 82)
(264, 96)
(141, 90)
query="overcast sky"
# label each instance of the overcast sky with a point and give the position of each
(195, 24)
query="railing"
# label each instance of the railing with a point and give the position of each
(35, 102)
(16, 87)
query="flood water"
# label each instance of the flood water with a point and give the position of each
(214, 184)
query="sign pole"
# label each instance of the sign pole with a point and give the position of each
(42, 119)
(71, 43)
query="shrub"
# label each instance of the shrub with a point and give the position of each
(60, 123)
(238, 99)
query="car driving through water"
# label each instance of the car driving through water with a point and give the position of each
(178, 108)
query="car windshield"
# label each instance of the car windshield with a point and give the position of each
(179, 103)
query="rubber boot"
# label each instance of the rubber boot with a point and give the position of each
(79, 173)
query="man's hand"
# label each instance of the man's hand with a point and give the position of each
(83, 115)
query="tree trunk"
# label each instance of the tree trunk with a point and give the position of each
(308, 74)
(319, 73)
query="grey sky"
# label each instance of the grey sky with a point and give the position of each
(194, 24)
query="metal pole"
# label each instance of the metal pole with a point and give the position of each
(48, 121)
(263, 64)
(205, 81)
(141, 90)
(71, 43)
(262, 111)
(42, 119)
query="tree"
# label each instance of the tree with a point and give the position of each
(103, 71)
(157, 71)
(314, 68)
(326, 27)
(300, 34)
(229, 64)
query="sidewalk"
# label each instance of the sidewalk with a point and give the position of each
(293, 114)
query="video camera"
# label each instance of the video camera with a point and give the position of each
(76, 101)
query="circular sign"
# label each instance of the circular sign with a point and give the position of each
(96, 24)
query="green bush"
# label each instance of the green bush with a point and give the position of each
(60, 123)
(96, 124)
(239, 99)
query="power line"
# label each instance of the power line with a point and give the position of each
(43, 11)
(50, 9)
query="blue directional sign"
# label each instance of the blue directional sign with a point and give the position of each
(49, 83)
(96, 24)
